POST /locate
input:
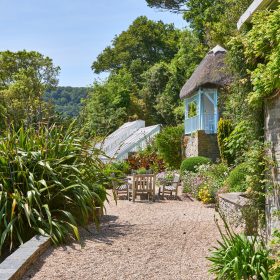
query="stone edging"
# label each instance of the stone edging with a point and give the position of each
(16, 265)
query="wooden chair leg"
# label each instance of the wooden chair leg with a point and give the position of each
(133, 195)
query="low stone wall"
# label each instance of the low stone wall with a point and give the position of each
(231, 205)
(16, 265)
(201, 144)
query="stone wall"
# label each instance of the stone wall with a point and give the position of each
(201, 144)
(272, 136)
(231, 205)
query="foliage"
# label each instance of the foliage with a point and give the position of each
(67, 100)
(148, 85)
(262, 48)
(147, 159)
(214, 176)
(191, 164)
(120, 166)
(171, 5)
(169, 145)
(239, 257)
(223, 132)
(100, 191)
(236, 181)
(192, 182)
(142, 170)
(106, 107)
(155, 81)
(258, 165)
(47, 178)
(214, 21)
(25, 77)
(172, 78)
(143, 44)
(239, 141)
(192, 109)
(209, 178)
(204, 195)
(274, 273)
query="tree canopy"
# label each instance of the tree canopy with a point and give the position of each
(154, 61)
(213, 21)
(67, 100)
(144, 43)
(24, 78)
(171, 5)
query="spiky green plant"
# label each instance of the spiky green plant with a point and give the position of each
(47, 179)
(239, 257)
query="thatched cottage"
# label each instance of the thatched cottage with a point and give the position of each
(201, 94)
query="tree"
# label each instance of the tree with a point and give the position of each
(155, 81)
(168, 104)
(108, 104)
(67, 100)
(169, 145)
(213, 21)
(143, 44)
(24, 78)
(171, 5)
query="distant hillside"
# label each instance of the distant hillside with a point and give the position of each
(67, 100)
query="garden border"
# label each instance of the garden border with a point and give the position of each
(17, 264)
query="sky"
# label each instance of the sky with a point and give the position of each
(71, 32)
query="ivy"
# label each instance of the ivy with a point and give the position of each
(262, 47)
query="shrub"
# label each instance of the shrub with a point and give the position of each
(142, 171)
(239, 141)
(239, 257)
(236, 181)
(192, 183)
(146, 159)
(121, 166)
(190, 164)
(209, 177)
(223, 132)
(46, 187)
(274, 273)
(169, 145)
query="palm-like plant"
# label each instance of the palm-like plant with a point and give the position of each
(47, 179)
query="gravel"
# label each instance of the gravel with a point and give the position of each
(166, 239)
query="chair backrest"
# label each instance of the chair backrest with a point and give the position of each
(144, 182)
(176, 180)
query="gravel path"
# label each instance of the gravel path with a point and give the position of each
(162, 240)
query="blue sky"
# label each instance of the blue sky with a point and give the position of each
(71, 32)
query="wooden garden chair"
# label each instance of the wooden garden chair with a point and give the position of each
(170, 187)
(143, 184)
(121, 187)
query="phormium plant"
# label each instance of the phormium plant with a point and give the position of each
(47, 179)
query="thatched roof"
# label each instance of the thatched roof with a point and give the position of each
(211, 72)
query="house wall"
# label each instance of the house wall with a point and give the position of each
(201, 144)
(272, 136)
